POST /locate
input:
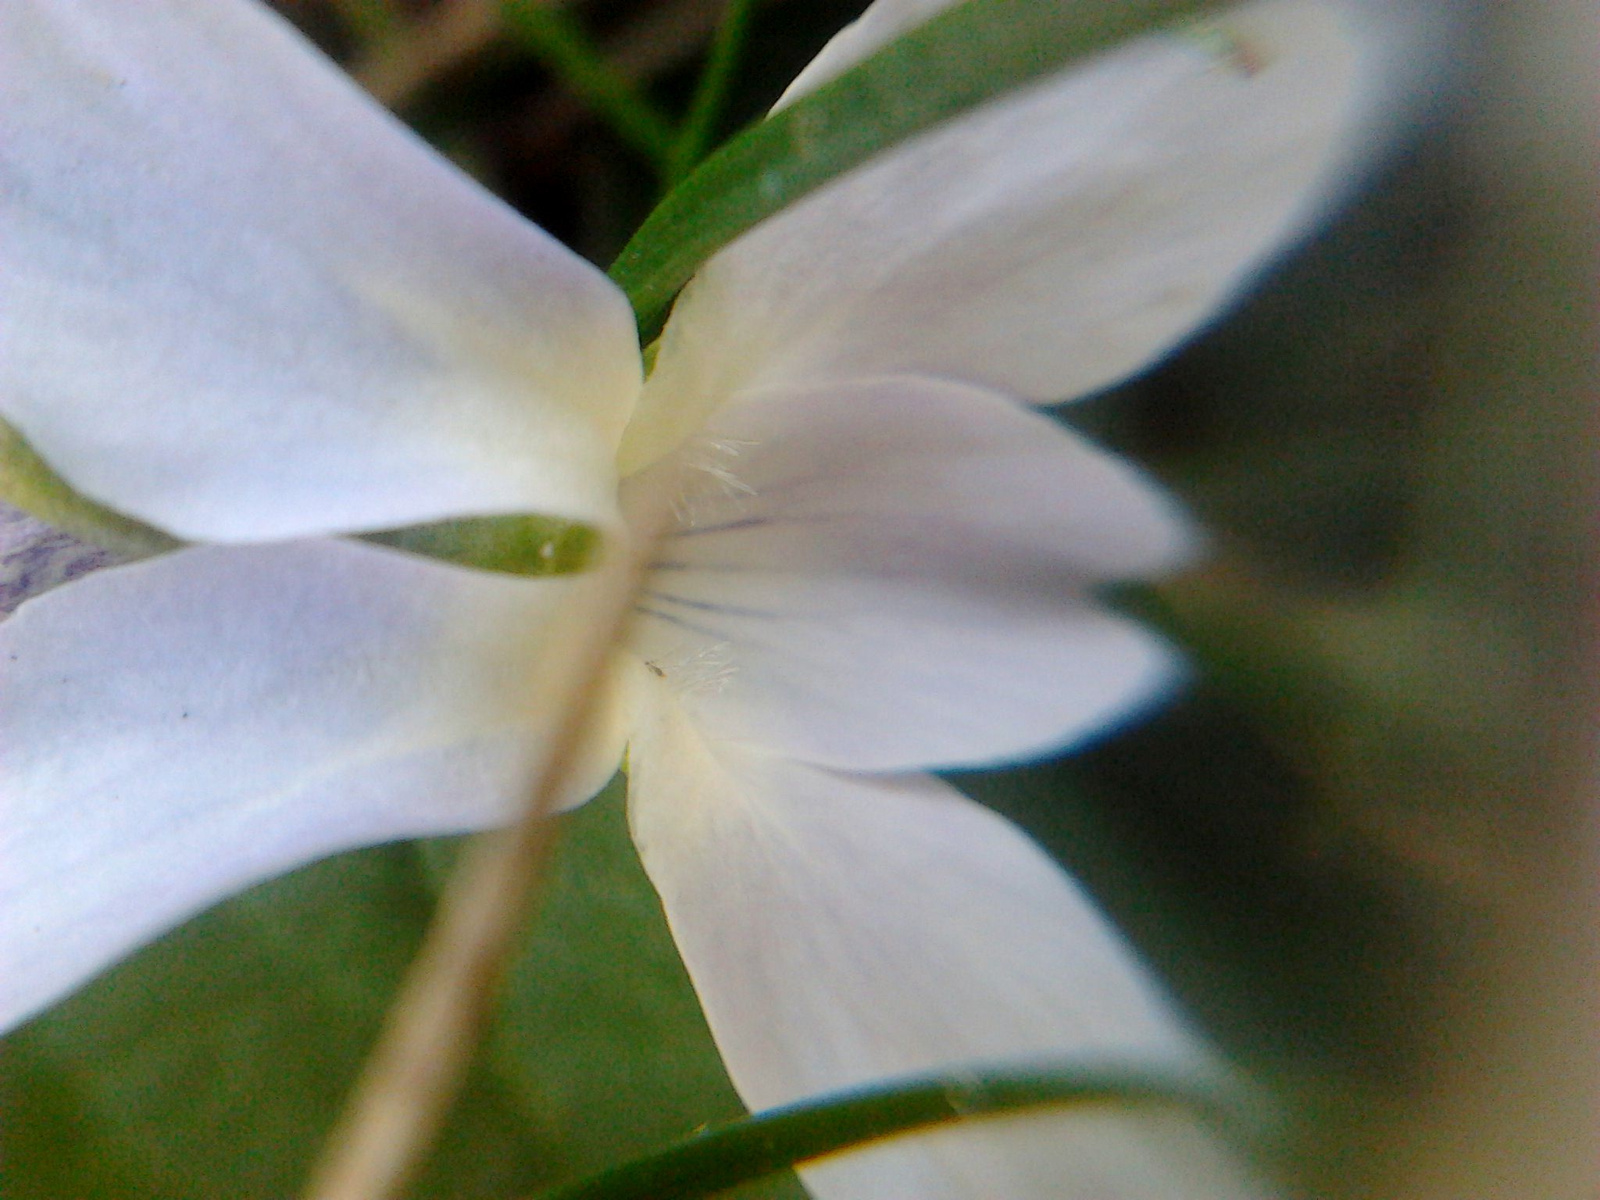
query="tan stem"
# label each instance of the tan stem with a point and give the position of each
(413, 1074)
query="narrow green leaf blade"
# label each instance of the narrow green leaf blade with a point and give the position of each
(966, 55)
(755, 1146)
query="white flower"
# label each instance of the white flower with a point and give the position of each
(245, 306)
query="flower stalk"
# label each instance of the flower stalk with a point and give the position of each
(408, 1084)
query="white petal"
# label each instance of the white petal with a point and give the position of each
(243, 303)
(1047, 244)
(181, 728)
(883, 21)
(841, 929)
(894, 574)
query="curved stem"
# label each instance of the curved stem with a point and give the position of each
(712, 93)
(747, 1149)
(567, 51)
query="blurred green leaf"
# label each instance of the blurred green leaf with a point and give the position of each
(215, 1062)
(369, 20)
(600, 1035)
(966, 55)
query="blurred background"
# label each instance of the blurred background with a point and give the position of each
(1359, 845)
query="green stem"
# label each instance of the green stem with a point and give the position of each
(567, 51)
(759, 1145)
(712, 93)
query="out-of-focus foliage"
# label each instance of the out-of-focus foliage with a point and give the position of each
(214, 1063)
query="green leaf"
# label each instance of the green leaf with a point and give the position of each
(214, 1063)
(745, 1150)
(966, 55)
(29, 483)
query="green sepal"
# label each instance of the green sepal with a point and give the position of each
(963, 57)
(29, 483)
(515, 545)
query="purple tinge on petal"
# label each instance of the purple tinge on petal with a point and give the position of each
(35, 557)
